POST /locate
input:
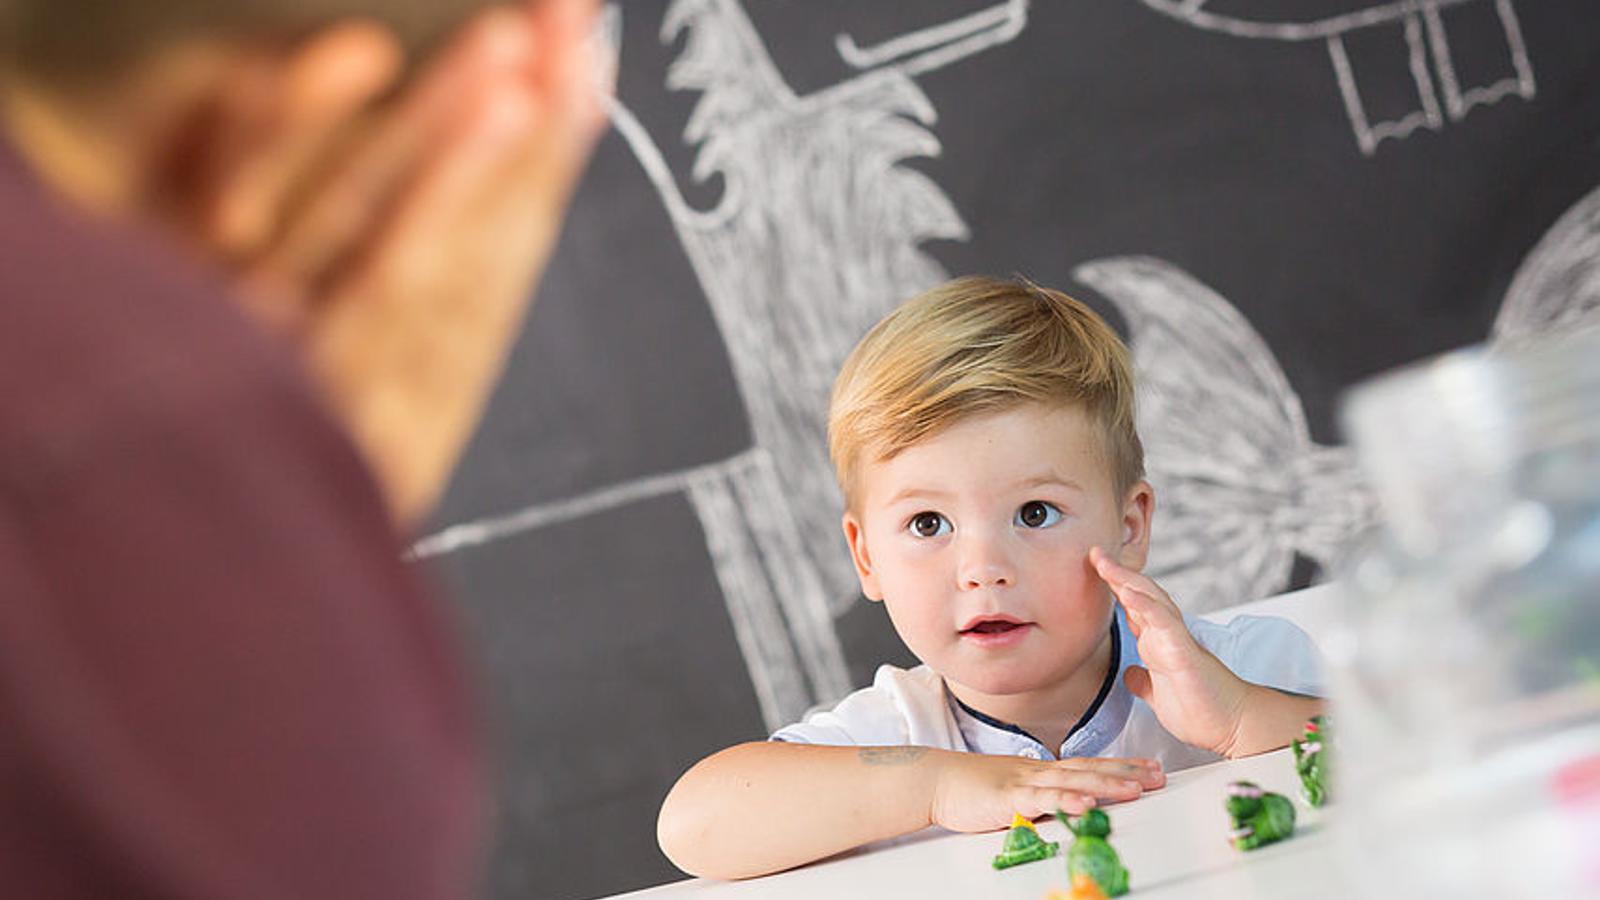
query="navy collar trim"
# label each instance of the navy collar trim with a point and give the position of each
(1088, 714)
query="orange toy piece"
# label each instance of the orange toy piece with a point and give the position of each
(1083, 888)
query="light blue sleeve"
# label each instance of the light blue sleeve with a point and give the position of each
(1264, 650)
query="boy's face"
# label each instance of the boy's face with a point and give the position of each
(977, 540)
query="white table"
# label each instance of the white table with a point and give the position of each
(1173, 841)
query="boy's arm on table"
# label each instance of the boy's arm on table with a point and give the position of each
(759, 808)
(1195, 696)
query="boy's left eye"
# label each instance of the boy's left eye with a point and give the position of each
(928, 525)
(1037, 514)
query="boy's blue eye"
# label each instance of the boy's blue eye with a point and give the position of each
(1037, 514)
(928, 524)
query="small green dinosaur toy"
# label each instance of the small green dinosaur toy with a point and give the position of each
(1311, 760)
(1092, 855)
(1259, 817)
(1023, 845)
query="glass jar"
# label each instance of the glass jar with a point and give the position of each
(1466, 668)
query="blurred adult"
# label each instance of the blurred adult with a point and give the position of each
(260, 264)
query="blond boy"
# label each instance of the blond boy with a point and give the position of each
(983, 435)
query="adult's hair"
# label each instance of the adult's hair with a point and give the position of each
(86, 41)
(977, 345)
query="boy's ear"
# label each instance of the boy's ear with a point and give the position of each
(856, 537)
(1137, 511)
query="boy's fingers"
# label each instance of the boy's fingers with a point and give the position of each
(1044, 801)
(1108, 764)
(1147, 772)
(1133, 589)
(1141, 610)
(1137, 678)
(1098, 784)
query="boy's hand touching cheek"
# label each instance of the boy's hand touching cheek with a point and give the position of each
(1195, 696)
(976, 792)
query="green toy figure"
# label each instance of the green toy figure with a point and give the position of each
(1023, 845)
(1259, 817)
(1311, 760)
(1091, 855)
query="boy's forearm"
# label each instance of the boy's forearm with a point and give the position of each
(763, 807)
(1270, 720)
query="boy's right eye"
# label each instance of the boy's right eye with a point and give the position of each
(928, 524)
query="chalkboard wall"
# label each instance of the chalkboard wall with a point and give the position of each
(1271, 200)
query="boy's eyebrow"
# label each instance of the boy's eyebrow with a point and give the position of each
(934, 494)
(911, 492)
(1039, 480)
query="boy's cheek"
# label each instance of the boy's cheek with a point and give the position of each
(1082, 595)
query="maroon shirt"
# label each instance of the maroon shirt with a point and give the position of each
(217, 678)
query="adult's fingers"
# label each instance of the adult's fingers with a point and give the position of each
(424, 317)
(571, 85)
(329, 83)
(408, 340)
(337, 215)
(498, 199)
(285, 126)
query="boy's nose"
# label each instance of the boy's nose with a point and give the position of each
(986, 576)
(983, 564)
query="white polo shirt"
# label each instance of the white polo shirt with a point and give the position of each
(912, 707)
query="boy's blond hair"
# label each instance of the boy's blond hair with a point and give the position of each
(975, 345)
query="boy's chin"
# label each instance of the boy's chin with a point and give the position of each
(1000, 684)
(1006, 681)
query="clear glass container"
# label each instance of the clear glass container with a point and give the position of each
(1466, 670)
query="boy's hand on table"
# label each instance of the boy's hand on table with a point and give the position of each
(1195, 696)
(978, 792)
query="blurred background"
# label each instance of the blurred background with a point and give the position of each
(1270, 200)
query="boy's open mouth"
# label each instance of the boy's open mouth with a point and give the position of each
(998, 625)
(991, 628)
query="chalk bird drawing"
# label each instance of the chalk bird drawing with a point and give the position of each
(1240, 485)
(1557, 287)
(1421, 21)
(816, 235)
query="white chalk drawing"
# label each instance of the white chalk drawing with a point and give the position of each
(1422, 22)
(816, 235)
(1240, 485)
(1557, 287)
